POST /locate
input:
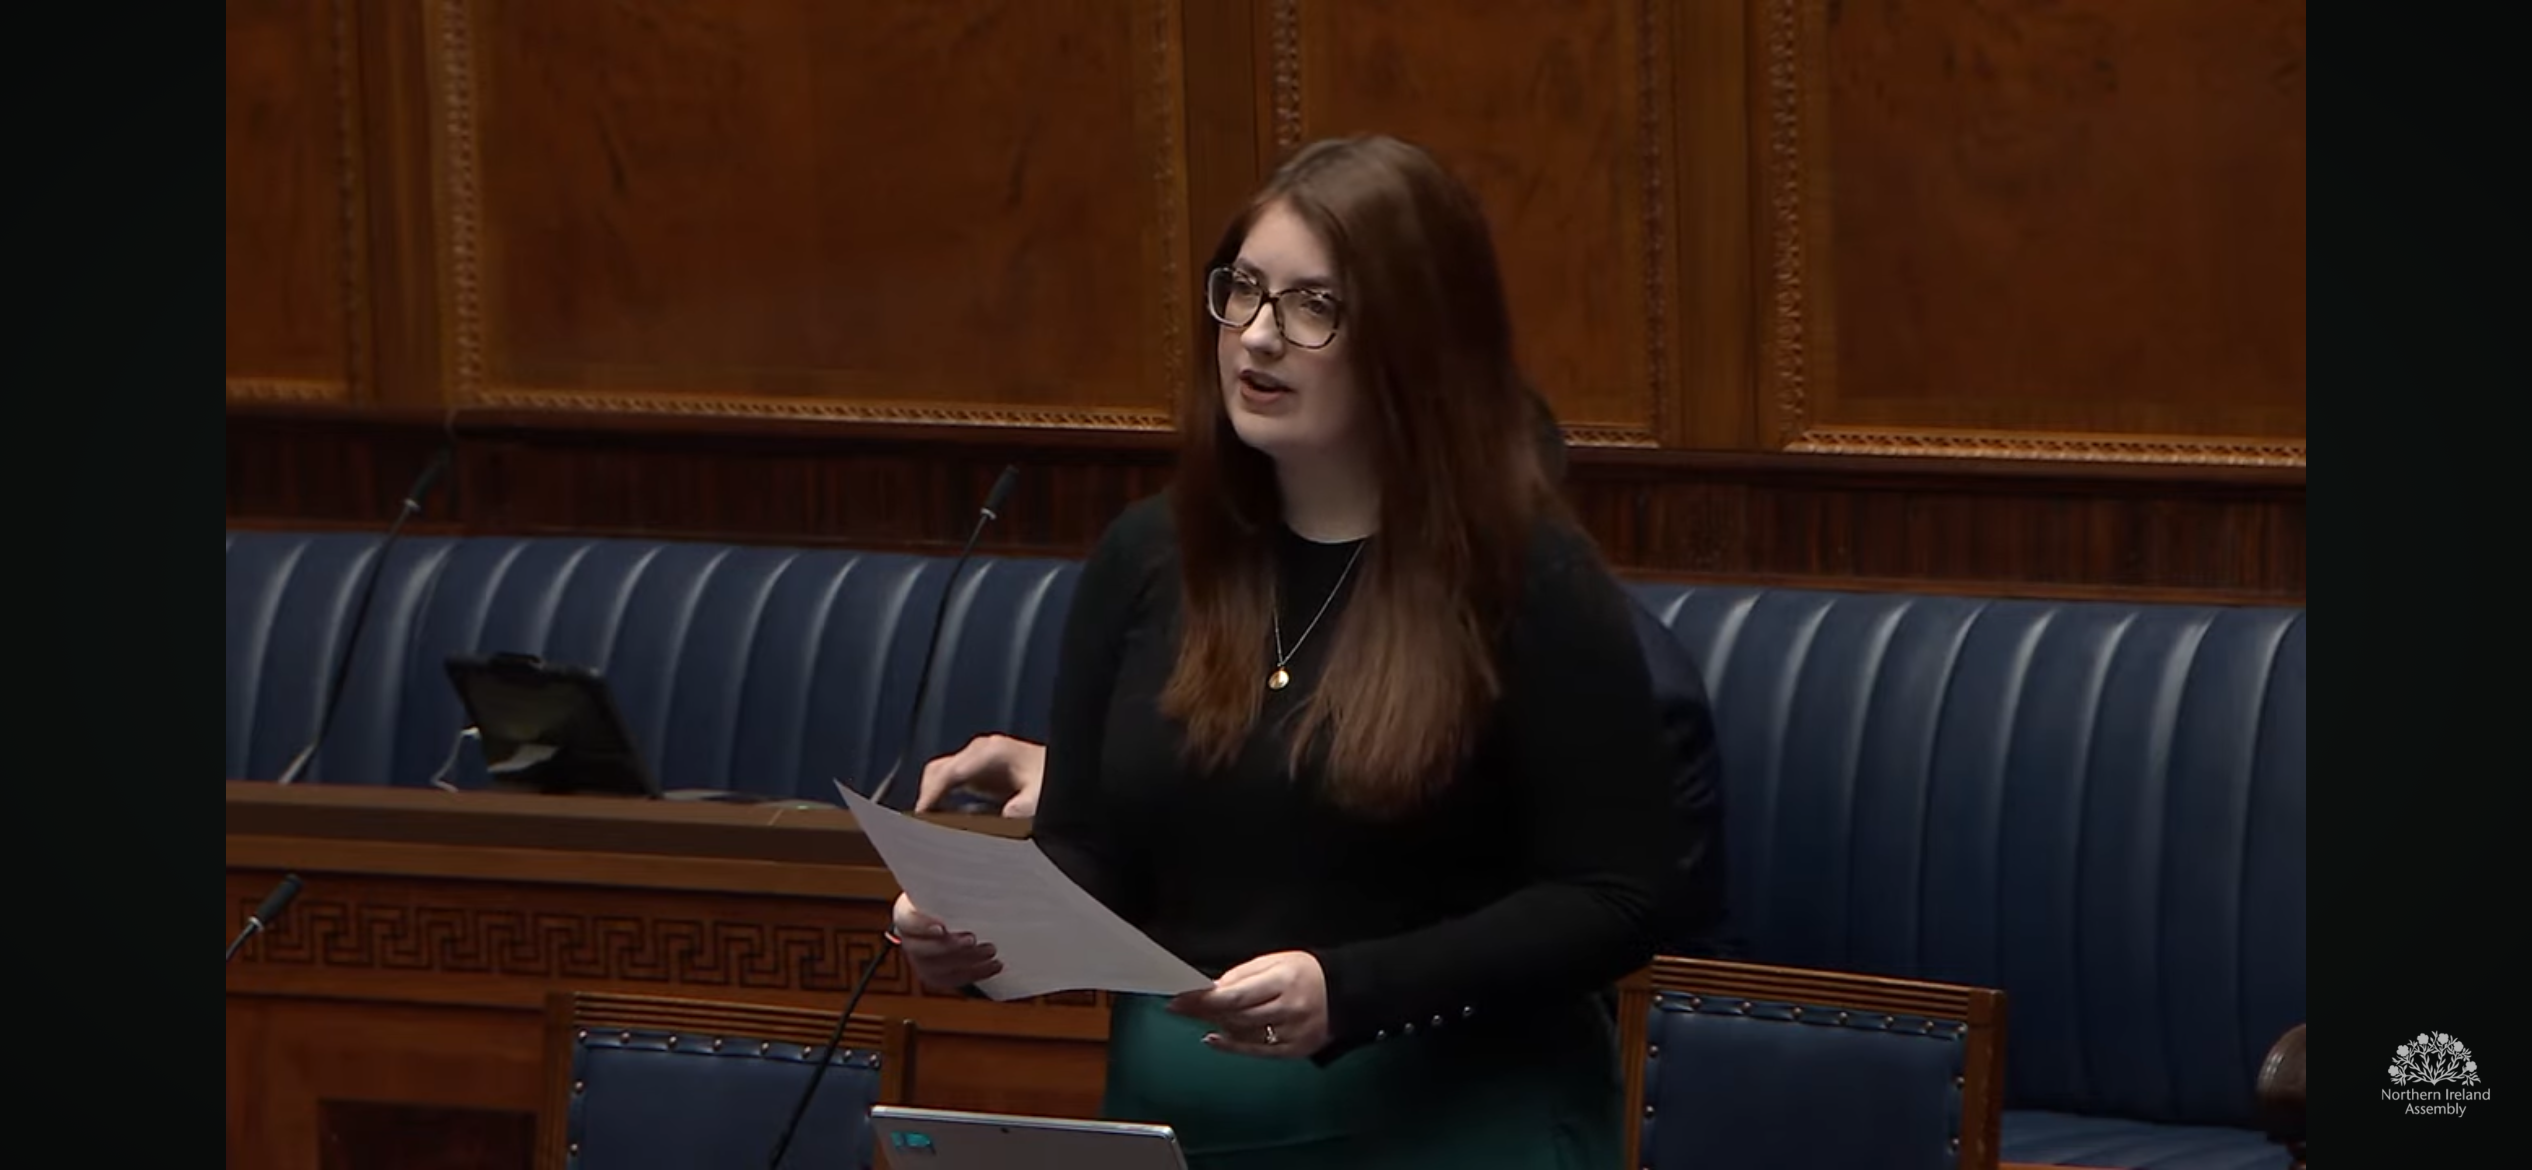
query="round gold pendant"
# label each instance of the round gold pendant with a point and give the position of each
(1278, 680)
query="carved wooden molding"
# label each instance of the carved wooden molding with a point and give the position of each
(350, 159)
(2088, 448)
(1163, 115)
(461, 179)
(1799, 365)
(349, 153)
(599, 941)
(1652, 130)
(828, 409)
(1588, 435)
(1286, 23)
(286, 390)
(1790, 72)
(1160, 118)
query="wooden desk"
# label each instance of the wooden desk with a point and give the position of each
(391, 1017)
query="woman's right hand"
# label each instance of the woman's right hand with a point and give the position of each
(943, 960)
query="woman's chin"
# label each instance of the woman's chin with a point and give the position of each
(1271, 436)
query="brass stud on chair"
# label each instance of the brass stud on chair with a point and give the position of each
(1652, 1050)
(579, 1087)
(672, 1039)
(583, 1037)
(624, 1037)
(716, 1044)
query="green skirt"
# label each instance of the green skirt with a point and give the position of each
(1544, 1094)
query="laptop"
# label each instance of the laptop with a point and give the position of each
(950, 1139)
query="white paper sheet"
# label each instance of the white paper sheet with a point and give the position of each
(1049, 933)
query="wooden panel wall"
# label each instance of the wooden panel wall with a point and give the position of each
(1949, 294)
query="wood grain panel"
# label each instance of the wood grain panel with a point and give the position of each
(304, 1056)
(2071, 231)
(1945, 296)
(1972, 525)
(374, 1135)
(295, 322)
(1558, 116)
(434, 927)
(890, 210)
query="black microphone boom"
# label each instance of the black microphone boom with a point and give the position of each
(360, 614)
(264, 915)
(782, 1145)
(994, 500)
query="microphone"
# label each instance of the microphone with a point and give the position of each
(992, 510)
(844, 1019)
(360, 613)
(274, 903)
(922, 680)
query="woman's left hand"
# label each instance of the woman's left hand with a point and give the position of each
(1272, 1005)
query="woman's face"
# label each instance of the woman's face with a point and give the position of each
(1286, 399)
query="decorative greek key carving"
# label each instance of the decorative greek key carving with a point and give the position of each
(581, 947)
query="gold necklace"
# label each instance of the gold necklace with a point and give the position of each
(1281, 677)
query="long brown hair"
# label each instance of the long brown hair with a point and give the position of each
(1411, 670)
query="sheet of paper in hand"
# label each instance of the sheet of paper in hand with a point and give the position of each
(1049, 933)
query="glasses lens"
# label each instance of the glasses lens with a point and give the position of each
(1308, 318)
(1232, 298)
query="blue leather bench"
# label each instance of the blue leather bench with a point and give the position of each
(2096, 807)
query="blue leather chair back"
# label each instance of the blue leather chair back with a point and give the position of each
(2096, 807)
(766, 670)
(649, 1104)
(663, 1084)
(1733, 1087)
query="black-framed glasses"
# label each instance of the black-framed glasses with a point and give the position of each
(1306, 317)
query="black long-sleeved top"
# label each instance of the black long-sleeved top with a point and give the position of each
(1531, 879)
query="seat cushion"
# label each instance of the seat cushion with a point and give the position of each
(2070, 1139)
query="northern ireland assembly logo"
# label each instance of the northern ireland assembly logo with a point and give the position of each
(2434, 1074)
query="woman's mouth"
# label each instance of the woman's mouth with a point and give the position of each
(1256, 386)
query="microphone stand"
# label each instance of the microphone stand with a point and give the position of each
(940, 615)
(360, 616)
(843, 1020)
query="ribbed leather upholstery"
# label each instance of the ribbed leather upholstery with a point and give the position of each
(2096, 807)
(764, 670)
(651, 1100)
(1733, 1089)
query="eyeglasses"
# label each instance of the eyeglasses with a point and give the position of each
(1306, 317)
